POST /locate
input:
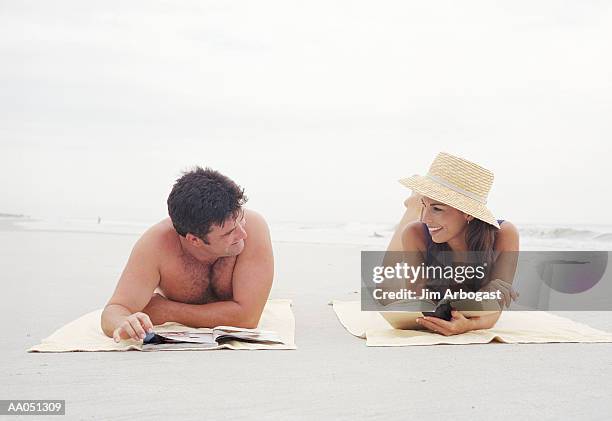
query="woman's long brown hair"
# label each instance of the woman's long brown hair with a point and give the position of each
(480, 238)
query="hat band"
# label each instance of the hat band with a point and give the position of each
(456, 188)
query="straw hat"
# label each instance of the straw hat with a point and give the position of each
(458, 183)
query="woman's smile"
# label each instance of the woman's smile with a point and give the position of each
(433, 230)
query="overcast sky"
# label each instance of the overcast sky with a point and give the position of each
(316, 108)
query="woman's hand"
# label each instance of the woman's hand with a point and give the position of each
(458, 324)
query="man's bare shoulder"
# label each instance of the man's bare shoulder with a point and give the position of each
(255, 222)
(159, 239)
(258, 235)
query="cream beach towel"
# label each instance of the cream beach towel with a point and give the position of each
(512, 327)
(85, 333)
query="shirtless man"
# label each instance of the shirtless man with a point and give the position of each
(204, 266)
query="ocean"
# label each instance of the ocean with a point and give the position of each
(370, 236)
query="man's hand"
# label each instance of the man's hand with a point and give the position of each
(157, 309)
(458, 324)
(135, 326)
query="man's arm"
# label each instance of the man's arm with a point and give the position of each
(122, 316)
(251, 283)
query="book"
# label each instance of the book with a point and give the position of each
(206, 338)
(403, 314)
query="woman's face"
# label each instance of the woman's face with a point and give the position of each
(444, 222)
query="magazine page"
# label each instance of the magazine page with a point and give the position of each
(226, 333)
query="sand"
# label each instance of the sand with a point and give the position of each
(50, 278)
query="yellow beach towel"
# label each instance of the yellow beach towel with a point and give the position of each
(512, 327)
(85, 333)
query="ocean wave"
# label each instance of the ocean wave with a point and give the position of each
(13, 215)
(355, 233)
(604, 237)
(564, 233)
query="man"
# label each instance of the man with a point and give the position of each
(209, 264)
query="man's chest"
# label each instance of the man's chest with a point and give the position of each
(189, 281)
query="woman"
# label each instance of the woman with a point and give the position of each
(447, 213)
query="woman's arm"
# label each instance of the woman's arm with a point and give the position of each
(484, 322)
(502, 273)
(458, 323)
(412, 214)
(411, 254)
(506, 246)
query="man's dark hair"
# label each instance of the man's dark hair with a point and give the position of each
(201, 198)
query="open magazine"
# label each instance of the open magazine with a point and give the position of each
(206, 338)
(403, 314)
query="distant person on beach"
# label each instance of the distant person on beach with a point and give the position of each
(209, 264)
(447, 213)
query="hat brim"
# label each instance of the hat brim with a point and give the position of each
(449, 197)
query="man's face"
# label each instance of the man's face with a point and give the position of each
(228, 239)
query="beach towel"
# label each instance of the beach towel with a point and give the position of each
(85, 333)
(512, 327)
